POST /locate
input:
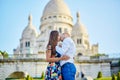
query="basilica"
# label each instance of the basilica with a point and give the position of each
(56, 16)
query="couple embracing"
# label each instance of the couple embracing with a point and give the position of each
(60, 57)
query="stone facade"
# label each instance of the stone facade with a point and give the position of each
(32, 68)
(92, 69)
(56, 16)
(35, 67)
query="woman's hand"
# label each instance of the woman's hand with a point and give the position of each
(65, 57)
(60, 45)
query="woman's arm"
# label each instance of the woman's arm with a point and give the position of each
(49, 59)
(53, 59)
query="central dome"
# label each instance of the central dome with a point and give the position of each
(56, 7)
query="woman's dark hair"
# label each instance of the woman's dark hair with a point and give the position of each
(53, 40)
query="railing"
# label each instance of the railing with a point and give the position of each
(23, 58)
(41, 57)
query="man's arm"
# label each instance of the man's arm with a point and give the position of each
(65, 46)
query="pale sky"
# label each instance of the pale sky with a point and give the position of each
(100, 17)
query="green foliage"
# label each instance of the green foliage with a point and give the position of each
(42, 76)
(28, 78)
(98, 55)
(118, 76)
(4, 54)
(104, 78)
(0, 53)
(99, 74)
(119, 64)
(114, 77)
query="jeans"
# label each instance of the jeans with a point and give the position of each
(68, 71)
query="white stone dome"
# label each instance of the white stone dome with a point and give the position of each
(30, 30)
(79, 28)
(56, 7)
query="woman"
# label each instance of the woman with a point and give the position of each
(53, 69)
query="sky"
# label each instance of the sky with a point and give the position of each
(100, 17)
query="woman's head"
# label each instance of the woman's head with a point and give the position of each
(53, 40)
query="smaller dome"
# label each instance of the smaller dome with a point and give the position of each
(30, 29)
(78, 27)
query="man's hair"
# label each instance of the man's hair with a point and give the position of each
(66, 33)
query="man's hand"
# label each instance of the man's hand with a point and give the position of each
(65, 57)
(60, 45)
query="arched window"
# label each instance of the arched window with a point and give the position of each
(27, 44)
(60, 16)
(79, 41)
(60, 30)
(64, 17)
(54, 16)
(65, 30)
(49, 17)
(80, 54)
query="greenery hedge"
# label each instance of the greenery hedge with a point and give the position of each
(99, 74)
(4, 54)
(114, 77)
(118, 76)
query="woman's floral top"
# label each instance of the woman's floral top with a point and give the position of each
(53, 71)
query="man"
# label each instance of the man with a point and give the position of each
(68, 48)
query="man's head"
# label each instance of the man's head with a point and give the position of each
(64, 35)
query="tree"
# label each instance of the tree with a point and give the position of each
(29, 78)
(118, 76)
(113, 77)
(4, 54)
(0, 54)
(42, 76)
(0, 51)
(99, 74)
(119, 64)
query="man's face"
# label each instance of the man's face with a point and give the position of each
(62, 37)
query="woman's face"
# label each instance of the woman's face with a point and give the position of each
(58, 37)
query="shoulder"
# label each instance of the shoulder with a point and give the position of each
(68, 40)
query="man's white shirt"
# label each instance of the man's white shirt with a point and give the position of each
(68, 48)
